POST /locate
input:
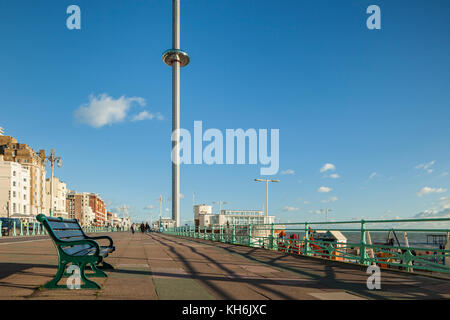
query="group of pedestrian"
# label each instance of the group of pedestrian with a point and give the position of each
(143, 227)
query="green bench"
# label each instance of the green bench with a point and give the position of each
(76, 248)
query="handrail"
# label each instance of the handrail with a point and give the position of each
(417, 256)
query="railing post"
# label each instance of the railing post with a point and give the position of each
(14, 228)
(221, 233)
(362, 248)
(306, 248)
(249, 235)
(204, 233)
(38, 229)
(213, 236)
(34, 228)
(28, 229)
(233, 237)
(1, 229)
(21, 228)
(272, 236)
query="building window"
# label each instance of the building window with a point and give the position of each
(14, 194)
(14, 173)
(14, 183)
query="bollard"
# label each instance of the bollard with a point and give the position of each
(221, 233)
(21, 228)
(1, 230)
(249, 235)
(272, 237)
(213, 236)
(233, 237)
(28, 229)
(306, 248)
(14, 228)
(363, 254)
(34, 228)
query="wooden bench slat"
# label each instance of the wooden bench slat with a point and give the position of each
(68, 233)
(63, 225)
(73, 250)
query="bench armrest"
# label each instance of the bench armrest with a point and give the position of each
(78, 242)
(102, 237)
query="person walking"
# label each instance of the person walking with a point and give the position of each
(133, 226)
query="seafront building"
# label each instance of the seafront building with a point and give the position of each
(23, 154)
(14, 190)
(99, 209)
(204, 217)
(59, 197)
(165, 223)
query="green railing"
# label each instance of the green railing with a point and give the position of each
(400, 244)
(22, 229)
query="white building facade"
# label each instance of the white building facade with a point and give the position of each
(204, 217)
(59, 197)
(14, 190)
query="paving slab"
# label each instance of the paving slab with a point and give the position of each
(158, 266)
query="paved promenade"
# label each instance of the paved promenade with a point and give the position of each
(159, 266)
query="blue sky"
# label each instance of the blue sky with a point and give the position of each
(365, 101)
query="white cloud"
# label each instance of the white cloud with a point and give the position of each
(444, 174)
(315, 211)
(433, 213)
(324, 189)
(327, 166)
(103, 109)
(181, 196)
(445, 202)
(289, 209)
(306, 202)
(372, 175)
(332, 199)
(149, 207)
(288, 171)
(144, 115)
(426, 166)
(334, 176)
(428, 190)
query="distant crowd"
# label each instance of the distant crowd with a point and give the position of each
(143, 227)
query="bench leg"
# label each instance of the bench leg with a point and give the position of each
(53, 284)
(105, 266)
(97, 272)
(87, 284)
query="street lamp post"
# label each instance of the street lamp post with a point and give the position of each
(175, 58)
(220, 203)
(52, 158)
(267, 191)
(326, 210)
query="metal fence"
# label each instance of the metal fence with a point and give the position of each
(411, 244)
(20, 229)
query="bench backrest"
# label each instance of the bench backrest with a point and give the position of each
(62, 229)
